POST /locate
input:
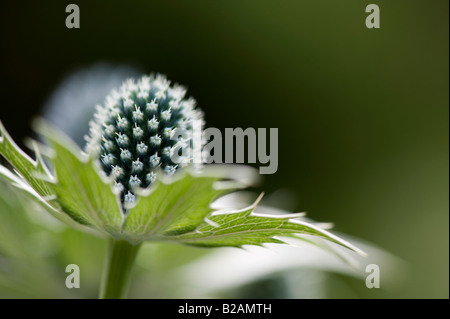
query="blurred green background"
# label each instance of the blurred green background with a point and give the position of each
(362, 113)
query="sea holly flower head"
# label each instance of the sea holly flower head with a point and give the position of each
(132, 133)
(125, 185)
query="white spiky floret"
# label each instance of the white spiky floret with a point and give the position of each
(114, 112)
(117, 171)
(134, 181)
(110, 129)
(150, 177)
(129, 199)
(183, 126)
(169, 132)
(124, 95)
(165, 115)
(161, 83)
(108, 159)
(141, 148)
(130, 85)
(160, 95)
(118, 187)
(122, 122)
(142, 94)
(151, 106)
(153, 123)
(137, 114)
(188, 104)
(92, 138)
(177, 92)
(154, 160)
(137, 166)
(174, 104)
(128, 102)
(170, 169)
(101, 115)
(144, 83)
(155, 140)
(112, 100)
(168, 151)
(125, 154)
(122, 140)
(108, 145)
(138, 133)
(100, 111)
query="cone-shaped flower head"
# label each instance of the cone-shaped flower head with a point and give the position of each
(137, 130)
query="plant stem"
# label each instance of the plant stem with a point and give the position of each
(120, 258)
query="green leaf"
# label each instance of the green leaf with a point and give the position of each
(80, 190)
(32, 176)
(51, 206)
(171, 207)
(244, 227)
(33, 171)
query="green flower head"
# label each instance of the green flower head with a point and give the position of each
(133, 133)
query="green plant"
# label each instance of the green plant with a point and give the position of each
(125, 187)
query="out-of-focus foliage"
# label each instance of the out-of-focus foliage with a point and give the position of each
(35, 249)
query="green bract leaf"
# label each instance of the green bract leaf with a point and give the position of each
(33, 171)
(32, 176)
(244, 227)
(177, 205)
(171, 207)
(80, 190)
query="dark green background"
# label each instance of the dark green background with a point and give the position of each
(362, 113)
